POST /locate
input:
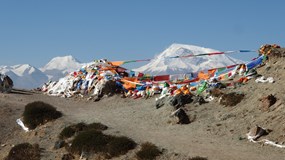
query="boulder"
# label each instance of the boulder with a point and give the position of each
(231, 99)
(180, 100)
(267, 102)
(182, 117)
(6, 83)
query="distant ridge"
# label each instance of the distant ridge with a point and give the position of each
(26, 76)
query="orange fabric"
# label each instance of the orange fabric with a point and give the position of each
(202, 75)
(113, 71)
(211, 72)
(206, 76)
(243, 66)
(177, 91)
(129, 82)
(117, 63)
(183, 88)
(243, 80)
(107, 68)
(186, 91)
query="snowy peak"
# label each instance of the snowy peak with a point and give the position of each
(183, 49)
(62, 63)
(27, 76)
(164, 64)
(8, 71)
(58, 67)
(24, 75)
(24, 69)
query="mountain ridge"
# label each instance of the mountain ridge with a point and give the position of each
(24, 76)
(57, 67)
(165, 63)
(27, 76)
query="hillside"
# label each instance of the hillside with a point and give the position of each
(216, 132)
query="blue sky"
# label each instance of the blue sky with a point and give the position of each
(35, 31)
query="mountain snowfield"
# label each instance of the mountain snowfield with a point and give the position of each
(162, 64)
(60, 66)
(26, 76)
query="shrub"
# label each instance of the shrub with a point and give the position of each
(89, 141)
(97, 126)
(69, 131)
(96, 141)
(79, 127)
(37, 113)
(120, 145)
(148, 152)
(198, 158)
(24, 151)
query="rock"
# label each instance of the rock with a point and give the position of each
(256, 132)
(6, 83)
(231, 99)
(182, 117)
(267, 102)
(199, 100)
(180, 100)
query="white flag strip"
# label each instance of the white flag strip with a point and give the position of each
(20, 123)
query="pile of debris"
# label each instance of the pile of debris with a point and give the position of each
(95, 80)
(273, 50)
(104, 78)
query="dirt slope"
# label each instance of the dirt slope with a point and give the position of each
(217, 132)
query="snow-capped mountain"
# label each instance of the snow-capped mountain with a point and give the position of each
(58, 67)
(28, 77)
(163, 64)
(25, 76)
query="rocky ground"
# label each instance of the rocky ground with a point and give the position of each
(216, 132)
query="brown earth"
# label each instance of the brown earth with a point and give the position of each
(217, 132)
